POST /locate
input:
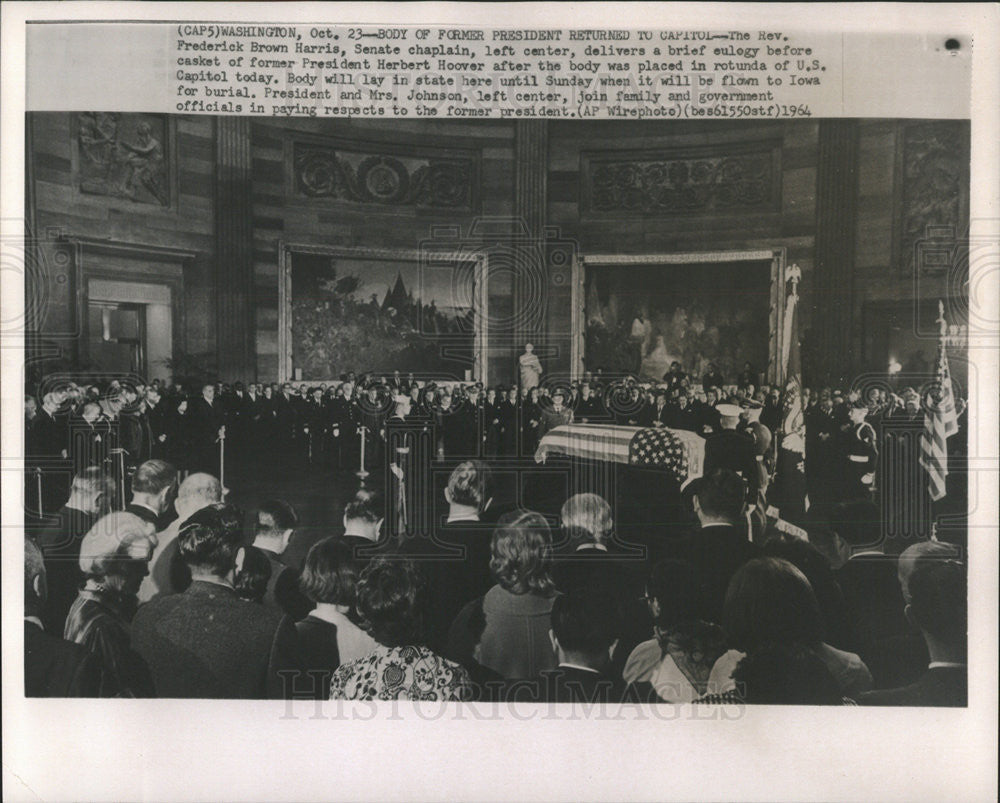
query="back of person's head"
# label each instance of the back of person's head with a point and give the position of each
(211, 538)
(153, 476)
(195, 492)
(769, 600)
(276, 516)
(672, 588)
(470, 485)
(858, 523)
(587, 512)
(785, 674)
(813, 564)
(94, 485)
(584, 624)
(329, 574)
(365, 506)
(939, 601)
(35, 590)
(113, 540)
(522, 553)
(392, 602)
(721, 494)
(252, 578)
(918, 554)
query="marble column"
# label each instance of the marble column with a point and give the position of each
(234, 288)
(531, 143)
(836, 229)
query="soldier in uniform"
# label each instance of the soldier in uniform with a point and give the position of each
(588, 407)
(731, 449)
(372, 415)
(859, 454)
(556, 415)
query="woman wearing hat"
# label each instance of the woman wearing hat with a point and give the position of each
(114, 557)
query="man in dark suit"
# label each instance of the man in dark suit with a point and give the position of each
(276, 521)
(731, 449)
(938, 607)
(583, 637)
(206, 642)
(153, 487)
(53, 667)
(455, 555)
(587, 559)
(721, 544)
(60, 543)
(206, 421)
(712, 378)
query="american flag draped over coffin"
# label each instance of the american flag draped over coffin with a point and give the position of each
(680, 452)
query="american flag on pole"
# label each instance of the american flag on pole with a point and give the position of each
(680, 452)
(940, 421)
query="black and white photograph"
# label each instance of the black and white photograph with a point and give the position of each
(681, 419)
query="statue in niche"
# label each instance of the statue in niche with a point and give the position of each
(122, 155)
(530, 368)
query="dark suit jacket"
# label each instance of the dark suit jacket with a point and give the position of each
(60, 544)
(616, 577)
(144, 513)
(942, 686)
(715, 553)
(320, 656)
(207, 642)
(54, 667)
(283, 589)
(733, 450)
(457, 569)
(566, 684)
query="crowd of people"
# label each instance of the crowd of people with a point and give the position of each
(162, 588)
(119, 425)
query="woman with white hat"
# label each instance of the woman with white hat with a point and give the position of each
(114, 557)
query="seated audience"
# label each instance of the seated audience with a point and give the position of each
(205, 641)
(168, 574)
(676, 663)
(252, 579)
(53, 667)
(276, 520)
(90, 494)
(330, 635)
(506, 630)
(937, 604)
(583, 639)
(769, 601)
(391, 603)
(114, 557)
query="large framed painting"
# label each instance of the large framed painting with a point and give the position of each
(366, 310)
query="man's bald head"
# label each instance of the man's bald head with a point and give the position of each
(197, 491)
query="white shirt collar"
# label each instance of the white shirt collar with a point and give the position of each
(330, 615)
(945, 665)
(567, 665)
(35, 621)
(593, 545)
(463, 517)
